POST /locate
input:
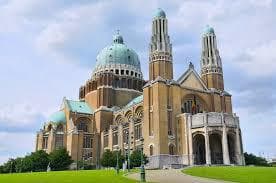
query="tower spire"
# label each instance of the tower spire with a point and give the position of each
(160, 56)
(211, 66)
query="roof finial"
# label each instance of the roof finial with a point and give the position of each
(191, 65)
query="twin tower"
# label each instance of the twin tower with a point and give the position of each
(161, 54)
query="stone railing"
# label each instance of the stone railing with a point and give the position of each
(214, 119)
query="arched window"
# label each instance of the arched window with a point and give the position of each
(191, 105)
(151, 150)
(60, 128)
(82, 126)
(45, 142)
(171, 149)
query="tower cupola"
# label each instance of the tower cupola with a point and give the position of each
(160, 56)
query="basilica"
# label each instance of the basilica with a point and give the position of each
(176, 122)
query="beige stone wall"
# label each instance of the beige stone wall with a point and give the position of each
(39, 139)
(103, 119)
(228, 104)
(92, 99)
(213, 80)
(161, 68)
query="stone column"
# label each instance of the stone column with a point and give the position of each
(191, 156)
(225, 150)
(110, 139)
(207, 147)
(238, 147)
(207, 143)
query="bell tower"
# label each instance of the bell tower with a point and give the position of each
(160, 57)
(211, 67)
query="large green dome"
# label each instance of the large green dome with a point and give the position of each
(117, 54)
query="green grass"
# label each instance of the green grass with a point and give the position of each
(66, 177)
(236, 174)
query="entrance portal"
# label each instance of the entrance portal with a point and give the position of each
(199, 149)
(231, 148)
(216, 149)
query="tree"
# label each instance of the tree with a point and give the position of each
(18, 164)
(40, 160)
(251, 159)
(60, 159)
(9, 166)
(106, 158)
(109, 159)
(135, 158)
(2, 169)
(27, 164)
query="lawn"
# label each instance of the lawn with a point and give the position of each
(65, 177)
(236, 174)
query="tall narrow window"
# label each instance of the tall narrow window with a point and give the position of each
(59, 141)
(150, 112)
(125, 135)
(138, 131)
(115, 138)
(170, 130)
(87, 141)
(45, 142)
(106, 141)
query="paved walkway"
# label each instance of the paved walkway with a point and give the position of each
(171, 176)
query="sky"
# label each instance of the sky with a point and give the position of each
(49, 48)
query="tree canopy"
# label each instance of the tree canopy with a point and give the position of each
(38, 161)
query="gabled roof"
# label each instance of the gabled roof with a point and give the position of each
(78, 106)
(191, 76)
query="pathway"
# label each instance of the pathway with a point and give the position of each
(171, 176)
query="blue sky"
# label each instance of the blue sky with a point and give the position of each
(49, 47)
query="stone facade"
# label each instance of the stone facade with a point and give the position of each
(183, 122)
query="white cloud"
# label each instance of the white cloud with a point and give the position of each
(16, 14)
(20, 115)
(260, 60)
(16, 144)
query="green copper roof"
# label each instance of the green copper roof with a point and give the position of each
(58, 117)
(208, 30)
(135, 101)
(79, 107)
(118, 53)
(159, 13)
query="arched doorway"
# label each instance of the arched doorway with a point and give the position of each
(216, 148)
(199, 149)
(231, 148)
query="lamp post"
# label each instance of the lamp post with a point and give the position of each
(142, 173)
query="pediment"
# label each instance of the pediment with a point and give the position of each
(192, 80)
